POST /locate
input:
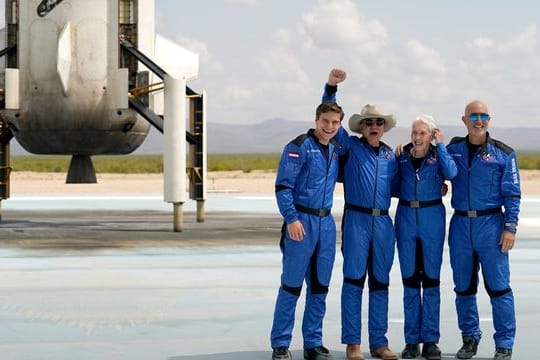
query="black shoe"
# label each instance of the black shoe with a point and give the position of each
(469, 348)
(318, 353)
(411, 351)
(281, 353)
(431, 351)
(503, 354)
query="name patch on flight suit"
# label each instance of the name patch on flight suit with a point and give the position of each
(514, 172)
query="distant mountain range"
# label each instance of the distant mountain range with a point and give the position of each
(271, 135)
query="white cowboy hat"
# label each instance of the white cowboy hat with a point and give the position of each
(371, 111)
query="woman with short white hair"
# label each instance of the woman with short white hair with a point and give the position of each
(424, 165)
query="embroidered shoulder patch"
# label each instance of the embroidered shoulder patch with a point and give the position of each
(294, 154)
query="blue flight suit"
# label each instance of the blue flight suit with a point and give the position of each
(368, 242)
(368, 239)
(420, 228)
(305, 184)
(479, 190)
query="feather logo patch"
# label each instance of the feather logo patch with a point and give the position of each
(487, 157)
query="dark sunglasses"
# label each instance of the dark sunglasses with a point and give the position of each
(482, 116)
(376, 121)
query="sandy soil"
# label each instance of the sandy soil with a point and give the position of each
(227, 181)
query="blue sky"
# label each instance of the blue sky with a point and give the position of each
(262, 59)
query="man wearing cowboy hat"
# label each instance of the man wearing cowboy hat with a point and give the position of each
(369, 172)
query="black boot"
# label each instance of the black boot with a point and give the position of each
(503, 354)
(318, 353)
(469, 348)
(431, 351)
(411, 351)
(281, 353)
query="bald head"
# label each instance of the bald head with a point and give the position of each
(476, 119)
(476, 106)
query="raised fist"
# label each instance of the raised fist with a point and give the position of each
(336, 76)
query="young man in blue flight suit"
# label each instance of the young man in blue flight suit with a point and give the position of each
(305, 184)
(369, 175)
(481, 233)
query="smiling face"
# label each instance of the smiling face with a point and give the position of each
(421, 136)
(326, 126)
(372, 131)
(328, 116)
(476, 119)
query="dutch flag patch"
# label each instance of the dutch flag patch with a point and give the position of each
(294, 154)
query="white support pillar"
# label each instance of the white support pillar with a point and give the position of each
(174, 152)
(12, 89)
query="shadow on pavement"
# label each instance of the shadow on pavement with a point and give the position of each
(267, 355)
(249, 355)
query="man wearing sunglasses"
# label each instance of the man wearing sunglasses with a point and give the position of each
(486, 199)
(369, 172)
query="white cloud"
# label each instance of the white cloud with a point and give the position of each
(331, 34)
(196, 46)
(284, 66)
(502, 72)
(339, 23)
(402, 74)
(524, 42)
(283, 38)
(480, 43)
(426, 58)
(499, 59)
(237, 94)
(209, 65)
(243, 2)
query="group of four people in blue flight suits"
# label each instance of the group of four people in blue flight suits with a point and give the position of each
(485, 179)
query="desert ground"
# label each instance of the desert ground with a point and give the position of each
(226, 181)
